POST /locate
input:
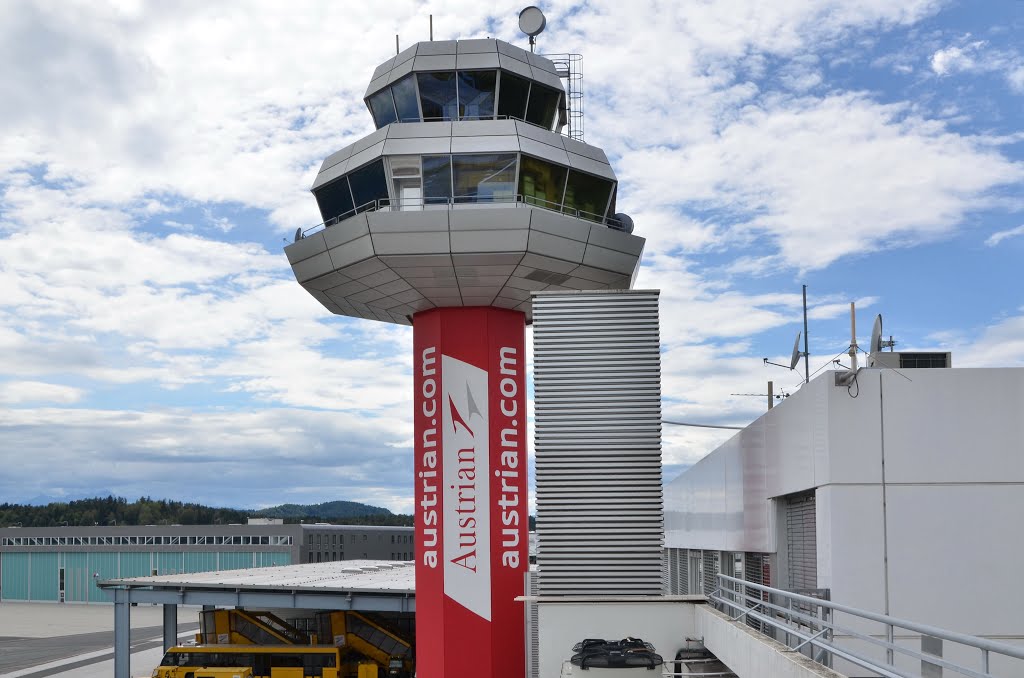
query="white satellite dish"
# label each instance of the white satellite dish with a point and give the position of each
(795, 358)
(532, 22)
(876, 335)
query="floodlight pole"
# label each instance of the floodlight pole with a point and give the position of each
(807, 355)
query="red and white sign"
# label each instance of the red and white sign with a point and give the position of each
(471, 492)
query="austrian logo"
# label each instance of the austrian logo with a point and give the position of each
(465, 485)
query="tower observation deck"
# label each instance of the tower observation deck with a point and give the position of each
(465, 195)
(464, 200)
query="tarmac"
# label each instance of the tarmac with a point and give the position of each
(38, 640)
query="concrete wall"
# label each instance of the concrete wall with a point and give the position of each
(663, 623)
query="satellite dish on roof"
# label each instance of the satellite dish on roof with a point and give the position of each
(298, 234)
(795, 358)
(625, 222)
(876, 335)
(532, 22)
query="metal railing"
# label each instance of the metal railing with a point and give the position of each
(462, 202)
(810, 622)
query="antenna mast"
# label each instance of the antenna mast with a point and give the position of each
(807, 354)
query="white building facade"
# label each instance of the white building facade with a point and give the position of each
(901, 493)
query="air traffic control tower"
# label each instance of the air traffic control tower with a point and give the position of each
(465, 199)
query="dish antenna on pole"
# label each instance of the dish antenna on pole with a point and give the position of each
(532, 23)
(877, 343)
(794, 358)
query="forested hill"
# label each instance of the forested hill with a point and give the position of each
(145, 511)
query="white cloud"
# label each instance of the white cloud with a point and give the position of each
(978, 57)
(1000, 236)
(19, 392)
(826, 178)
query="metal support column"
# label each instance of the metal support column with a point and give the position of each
(122, 634)
(170, 626)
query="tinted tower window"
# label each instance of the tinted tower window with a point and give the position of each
(476, 94)
(437, 95)
(512, 97)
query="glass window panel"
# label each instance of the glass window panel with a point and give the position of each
(368, 184)
(512, 96)
(405, 100)
(476, 94)
(334, 199)
(541, 183)
(383, 108)
(543, 105)
(437, 95)
(588, 195)
(437, 179)
(484, 178)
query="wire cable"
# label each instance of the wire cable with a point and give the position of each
(683, 423)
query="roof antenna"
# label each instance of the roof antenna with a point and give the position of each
(396, 43)
(794, 357)
(532, 23)
(431, 28)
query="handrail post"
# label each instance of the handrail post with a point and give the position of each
(891, 639)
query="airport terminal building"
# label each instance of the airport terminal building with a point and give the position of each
(61, 564)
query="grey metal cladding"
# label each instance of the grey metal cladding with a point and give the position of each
(474, 128)
(597, 383)
(589, 165)
(525, 129)
(400, 71)
(586, 150)
(541, 62)
(439, 62)
(616, 240)
(424, 146)
(546, 78)
(494, 144)
(560, 224)
(419, 130)
(435, 47)
(361, 158)
(537, 149)
(404, 56)
(515, 66)
(336, 157)
(473, 62)
(370, 140)
(346, 231)
(377, 84)
(325, 177)
(513, 51)
(383, 69)
(494, 219)
(477, 46)
(305, 248)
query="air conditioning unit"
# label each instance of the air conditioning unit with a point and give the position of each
(905, 360)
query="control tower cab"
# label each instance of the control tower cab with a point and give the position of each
(465, 195)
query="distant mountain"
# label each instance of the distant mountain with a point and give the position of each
(329, 510)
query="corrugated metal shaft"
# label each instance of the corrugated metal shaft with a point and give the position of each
(597, 384)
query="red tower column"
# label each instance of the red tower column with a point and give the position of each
(471, 501)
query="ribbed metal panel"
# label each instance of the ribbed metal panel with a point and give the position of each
(711, 570)
(597, 384)
(532, 629)
(801, 541)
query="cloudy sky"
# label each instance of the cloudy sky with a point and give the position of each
(155, 155)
